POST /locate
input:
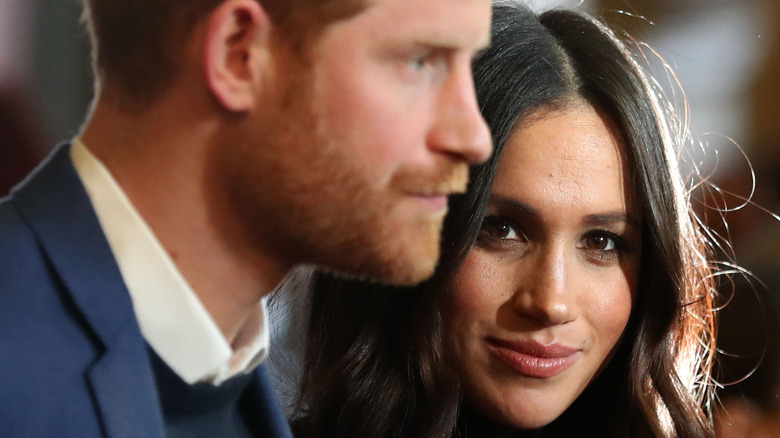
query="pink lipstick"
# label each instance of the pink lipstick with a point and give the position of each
(533, 359)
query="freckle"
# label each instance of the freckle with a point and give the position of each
(173, 254)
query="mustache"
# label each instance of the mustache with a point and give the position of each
(446, 179)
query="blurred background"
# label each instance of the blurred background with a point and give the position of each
(725, 54)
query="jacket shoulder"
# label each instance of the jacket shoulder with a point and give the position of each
(18, 247)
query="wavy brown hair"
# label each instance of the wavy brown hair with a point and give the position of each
(375, 363)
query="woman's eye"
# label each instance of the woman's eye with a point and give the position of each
(601, 243)
(603, 246)
(499, 229)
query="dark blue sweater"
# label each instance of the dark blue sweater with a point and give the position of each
(202, 410)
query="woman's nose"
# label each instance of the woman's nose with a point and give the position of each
(545, 294)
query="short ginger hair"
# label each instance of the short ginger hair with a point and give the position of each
(136, 44)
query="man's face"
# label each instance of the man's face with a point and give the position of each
(352, 158)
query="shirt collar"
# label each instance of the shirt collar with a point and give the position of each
(172, 319)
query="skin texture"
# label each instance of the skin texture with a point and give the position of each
(350, 162)
(555, 267)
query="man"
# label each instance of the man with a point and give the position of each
(230, 140)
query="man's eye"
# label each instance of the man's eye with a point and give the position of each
(424, 66)
(419, 63)
(426, 61)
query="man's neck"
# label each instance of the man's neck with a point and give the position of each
(165, 173)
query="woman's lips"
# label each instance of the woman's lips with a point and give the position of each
(532, 359)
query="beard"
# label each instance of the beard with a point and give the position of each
(372, 235)
(303, 198)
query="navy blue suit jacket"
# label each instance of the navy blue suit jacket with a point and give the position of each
(73, 362)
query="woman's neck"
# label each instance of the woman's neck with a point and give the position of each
(472, 424)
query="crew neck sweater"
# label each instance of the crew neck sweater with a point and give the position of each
(202, 410)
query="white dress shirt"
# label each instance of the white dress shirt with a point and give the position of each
(172, 318)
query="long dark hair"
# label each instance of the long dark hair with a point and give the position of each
(375, 364)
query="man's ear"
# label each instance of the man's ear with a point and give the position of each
(235, 52)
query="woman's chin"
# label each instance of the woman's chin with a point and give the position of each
(525, 417)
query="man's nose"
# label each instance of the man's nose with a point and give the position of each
(460, 128)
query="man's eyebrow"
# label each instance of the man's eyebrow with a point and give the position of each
(443, 45)
(442, 40)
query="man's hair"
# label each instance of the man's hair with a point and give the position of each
(137, 44)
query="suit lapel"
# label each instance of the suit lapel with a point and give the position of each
(57, 208)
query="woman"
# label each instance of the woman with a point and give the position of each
(584, 307)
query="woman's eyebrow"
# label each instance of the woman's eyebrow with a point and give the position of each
(513, 205)
(522, 209)
(610, 218)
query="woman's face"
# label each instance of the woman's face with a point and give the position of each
(544, 296)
